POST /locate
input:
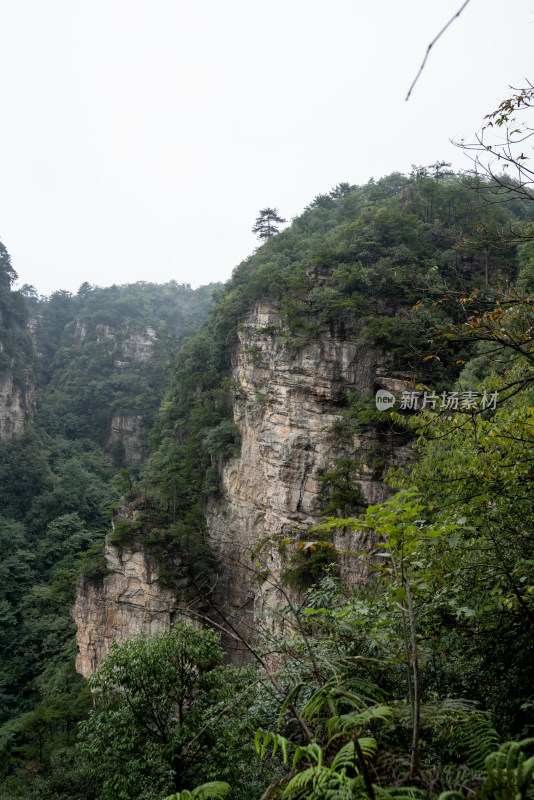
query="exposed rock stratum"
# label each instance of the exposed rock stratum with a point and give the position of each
(288, 399)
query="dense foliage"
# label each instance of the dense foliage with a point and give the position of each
(15, 342)
(104, 354)
(372, 262)
(417, 678)
(404, 687)
(420, 676)
(167, 714)
(86, 364)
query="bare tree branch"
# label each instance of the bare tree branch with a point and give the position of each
(512, 151)
(431, 45)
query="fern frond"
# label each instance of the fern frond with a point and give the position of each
(322, 783)
(340, 689)
(344, 758)
(311, 752)
(477, 739)
(315, 703)
(437, 712)
(299, 783)
(367, 692)
(277, 742)
(525, 777)
(399, 793)
(214, 790)
(290, 697)
(368, 746)
(348, 722)
(510, 774)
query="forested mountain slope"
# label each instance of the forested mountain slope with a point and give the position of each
(393, 638)
(279, 384)
(270, 427)
(82, 377)
(103, 355)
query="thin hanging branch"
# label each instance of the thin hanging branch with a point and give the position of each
(415, 670)
(431, 45)
(404, 636)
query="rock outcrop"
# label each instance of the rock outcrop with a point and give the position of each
(116, 606)
(15, 406)
(128, 429)
(17, 388)
(287, 403)
(138, 347)
(131, 347)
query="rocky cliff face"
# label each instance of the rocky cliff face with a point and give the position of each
(130, 347)
(287, 402)
(136, 348)
(16, 397)
(128, 429)
(15, 406)
(129, 344)
(126, 601)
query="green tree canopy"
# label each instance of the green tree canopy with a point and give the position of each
(159, 700)
(267, 222)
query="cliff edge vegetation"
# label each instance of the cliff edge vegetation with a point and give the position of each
(415, 681)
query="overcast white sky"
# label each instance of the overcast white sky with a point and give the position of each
(140, 138)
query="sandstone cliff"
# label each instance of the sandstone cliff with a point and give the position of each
(287, 401)
(16, 396)
(126, 601)
(15, 406)
(130, 353)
